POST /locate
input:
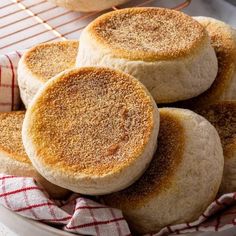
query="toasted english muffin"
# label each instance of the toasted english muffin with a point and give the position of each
(87, 6)
(91, 130)
(223, 40)
(223, 116)
(14, 160)
(182, 179)
(41, 63)
(168, 51)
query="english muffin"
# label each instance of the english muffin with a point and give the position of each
(223, 40)
(87, 6)
(223, 116)
(182, 179)
(14, 160)
(91, 130)
(168, 51)
(41, 63)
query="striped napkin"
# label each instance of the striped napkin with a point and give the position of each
(9, 90)
(78, 215)
(82, 215)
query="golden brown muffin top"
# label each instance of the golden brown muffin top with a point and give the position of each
(92, 121)
(148, 34)
(159, 175)
(48, 59)
(10, 135)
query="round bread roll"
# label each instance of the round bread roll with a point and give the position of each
(88, 5)
(91, 130)
(41, 63)
(182, 179)
(223, 116)
(168, 51)
(223, 40)
(14, 160)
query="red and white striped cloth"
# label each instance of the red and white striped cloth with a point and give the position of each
(9, 91)
(79, 214)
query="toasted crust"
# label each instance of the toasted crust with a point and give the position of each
(167, 51)
(148, 34)
(48, 59)
(180, 172)
(86, 86)
(90, 123)
(42, 62)
(223, 116)
(159, 175)
(13, 158)
(10, 136)
(223, 40)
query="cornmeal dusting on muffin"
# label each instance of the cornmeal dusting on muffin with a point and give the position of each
(148, 33)
(92, 120)
(48, 59)
(10, 135)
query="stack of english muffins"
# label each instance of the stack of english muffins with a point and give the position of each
(92, 124)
